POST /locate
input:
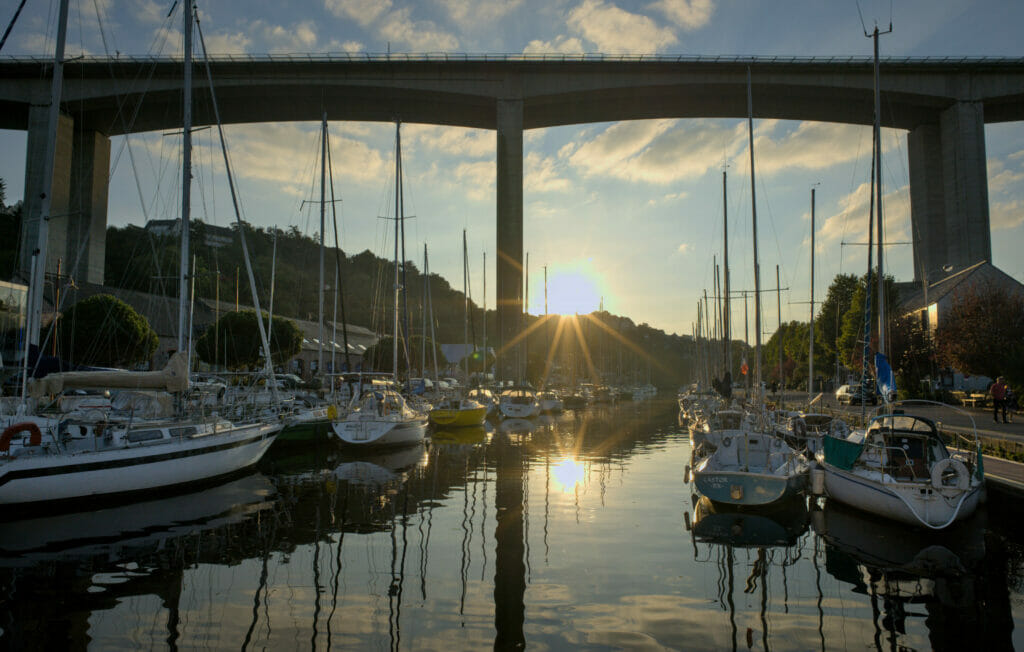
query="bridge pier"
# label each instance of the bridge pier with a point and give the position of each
(78, 197)
(510, 235)
(949, 191)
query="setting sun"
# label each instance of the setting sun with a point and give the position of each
(575, 288)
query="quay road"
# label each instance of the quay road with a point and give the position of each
(1004, 474)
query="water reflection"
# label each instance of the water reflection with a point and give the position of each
(565, 532)
(949, 578)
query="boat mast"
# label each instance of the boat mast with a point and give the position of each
(878, 198)
(465, 307)
(398, 218)
(34, 323)
(323, 211)
(186, 176)
(726, 306)
(757, 265)
(484, 361)
(430, 305)
(810, 353)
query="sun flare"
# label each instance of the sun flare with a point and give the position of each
(573, 289)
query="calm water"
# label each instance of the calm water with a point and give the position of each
(568, 533)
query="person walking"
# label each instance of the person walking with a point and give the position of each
(998, 392)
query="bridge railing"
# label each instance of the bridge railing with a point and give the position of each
(433, 57)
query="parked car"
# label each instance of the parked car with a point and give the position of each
(854, 395)
(844, 394)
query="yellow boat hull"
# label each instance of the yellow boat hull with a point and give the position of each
(458, 418)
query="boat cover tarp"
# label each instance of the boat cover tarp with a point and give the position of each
(173, 378)
(842, 453)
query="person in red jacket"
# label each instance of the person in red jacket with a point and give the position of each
(998, 392)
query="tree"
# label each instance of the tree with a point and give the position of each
(913, 356)
(105, 331)
(237, 336)
(828, 321)
(983, 333)
(379, 356)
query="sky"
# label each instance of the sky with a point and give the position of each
(626, 216)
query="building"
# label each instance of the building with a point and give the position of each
(931, 301)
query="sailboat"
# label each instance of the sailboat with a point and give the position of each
(460, 410)
(750, 465)
(898, 467)
(52, 458)
(380, 415)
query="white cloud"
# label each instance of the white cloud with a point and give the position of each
(1006, 215)
(471, 13)
(657, 151)
(352, 47)
(454, 141)
(811, 145)
(421, 36)
(541, 175)
(363, 12)
(476, 179)
(225, 43)
(150, 12)
(688, 14)
(1001, 179)
(560, 45)
(300, 37)
(684, 248)
(850, 224)
(614, 30)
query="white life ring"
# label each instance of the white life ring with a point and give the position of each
(963, 476)
(726, 442)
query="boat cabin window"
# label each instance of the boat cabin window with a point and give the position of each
(136, 436)
(185, 431)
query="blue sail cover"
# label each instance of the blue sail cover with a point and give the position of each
(886, 377)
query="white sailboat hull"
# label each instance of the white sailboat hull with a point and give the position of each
(48, 477)
(914, 503)
(379, 432)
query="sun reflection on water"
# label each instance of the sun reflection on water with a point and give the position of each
(567, 474)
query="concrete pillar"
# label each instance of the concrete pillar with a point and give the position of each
(965, 175)
(87, 220)
(35, 186)
(927, 201)
(509, 285)
(949, 191)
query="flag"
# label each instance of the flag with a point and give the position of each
(885, 378)
(744, 368)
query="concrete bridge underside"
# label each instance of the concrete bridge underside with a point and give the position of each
(943, 105)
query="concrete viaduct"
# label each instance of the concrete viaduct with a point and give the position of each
(942, 103)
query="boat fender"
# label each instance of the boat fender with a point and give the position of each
(726, 442)
(35, 435)
(963, 476)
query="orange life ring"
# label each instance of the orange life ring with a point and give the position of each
(35, 435)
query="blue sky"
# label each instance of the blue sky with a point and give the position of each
(630, 211)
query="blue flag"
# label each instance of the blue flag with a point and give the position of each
(886, 378)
